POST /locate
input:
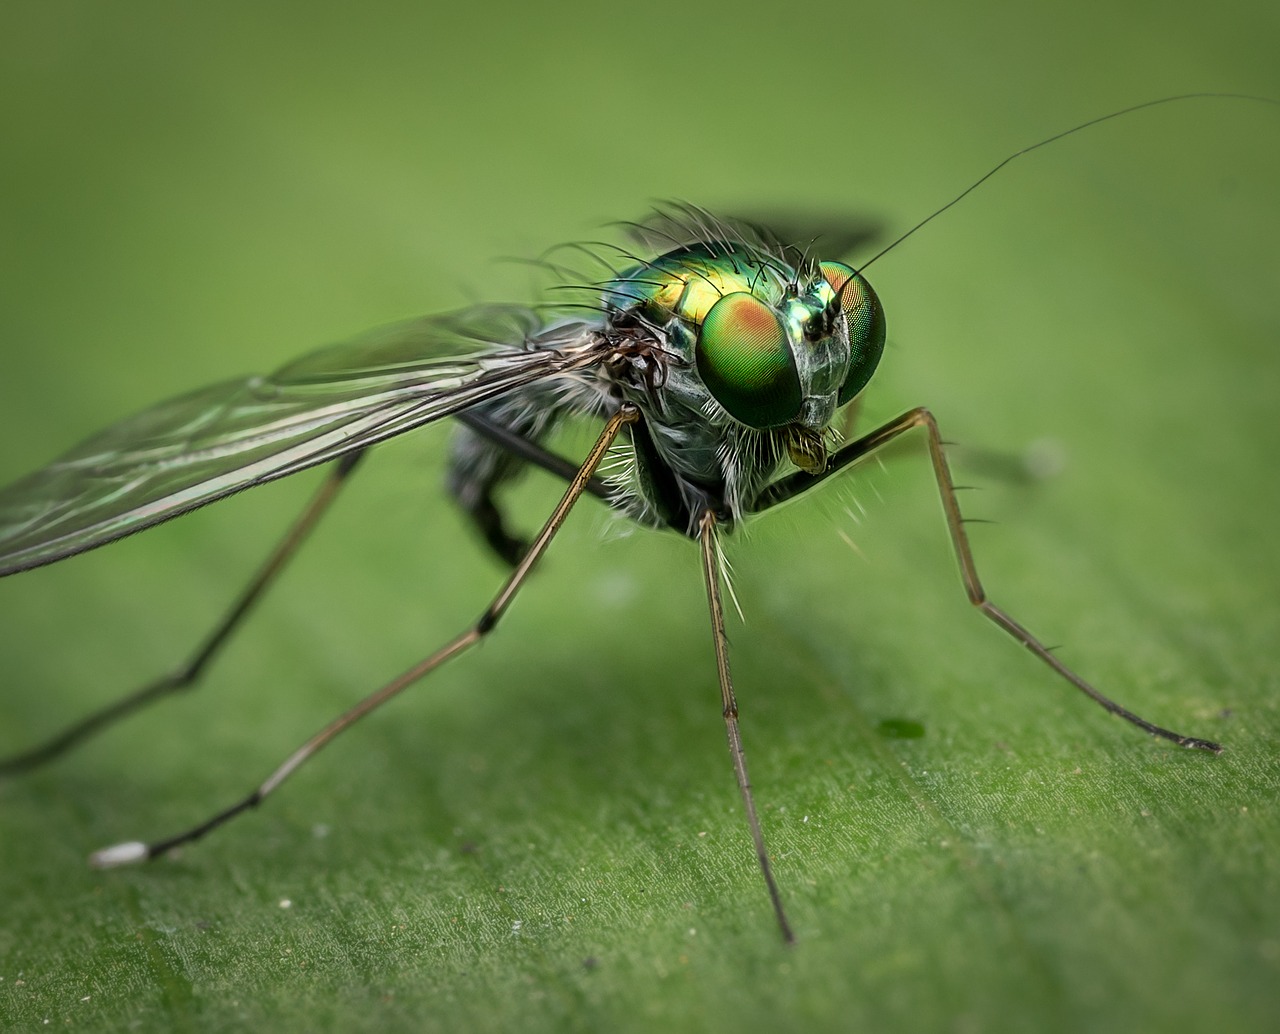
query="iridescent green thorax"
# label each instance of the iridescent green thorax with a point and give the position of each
(686, 283)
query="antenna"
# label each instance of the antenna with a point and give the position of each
(1053, 139)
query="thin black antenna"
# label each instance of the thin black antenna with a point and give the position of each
(1049, 140)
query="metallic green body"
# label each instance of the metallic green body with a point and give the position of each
(759, 347)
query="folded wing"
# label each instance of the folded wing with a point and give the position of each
(192, 450)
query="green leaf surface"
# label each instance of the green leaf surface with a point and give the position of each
(547, 836)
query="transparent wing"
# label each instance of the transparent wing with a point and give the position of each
(191, 450)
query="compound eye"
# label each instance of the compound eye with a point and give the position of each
(865, 317)
(744, 358)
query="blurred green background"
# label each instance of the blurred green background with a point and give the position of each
(548, 836)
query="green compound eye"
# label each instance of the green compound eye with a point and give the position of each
(744, 358)
(865, 317)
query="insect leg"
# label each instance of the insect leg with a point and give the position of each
(711, 573)
(135, 851)
(476, 472)
(853, 452)
(527, 449)
(185, 677)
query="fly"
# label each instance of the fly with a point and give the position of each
(716, 367)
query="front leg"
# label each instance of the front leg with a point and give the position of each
(855, 451)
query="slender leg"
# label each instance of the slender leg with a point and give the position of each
(518, 445)
(711, 572)
(869, 443)
(185, 677)
(477, 472)
(135, 851)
